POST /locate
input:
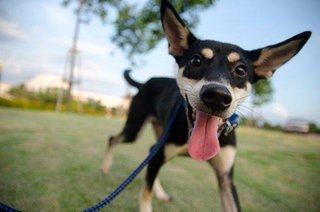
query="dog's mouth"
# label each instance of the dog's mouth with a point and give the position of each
(203, 142)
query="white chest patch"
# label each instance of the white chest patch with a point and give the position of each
(224, 160)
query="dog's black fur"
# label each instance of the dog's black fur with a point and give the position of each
(156, 99)
(213, 79)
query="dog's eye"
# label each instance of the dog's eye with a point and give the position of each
(240, 71)
(195, 61)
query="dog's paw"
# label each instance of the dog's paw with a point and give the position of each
(164, 197)
(106, 164)
(107, 159)
(159, 192)
(104, 170)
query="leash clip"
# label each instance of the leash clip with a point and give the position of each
(231, 124)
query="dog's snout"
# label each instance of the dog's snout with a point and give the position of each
(216, 97)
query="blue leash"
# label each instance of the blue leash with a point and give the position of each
(131, 177)
(230, 124)
(6, 208)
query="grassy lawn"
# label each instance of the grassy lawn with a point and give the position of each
(50, 162)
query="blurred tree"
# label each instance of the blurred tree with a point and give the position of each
(19, 91)
(314, 128)
(262, 92)
(138, 28)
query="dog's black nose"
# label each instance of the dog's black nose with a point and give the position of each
(217, 97)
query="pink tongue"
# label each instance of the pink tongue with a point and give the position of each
(204, 143)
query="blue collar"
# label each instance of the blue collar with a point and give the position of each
(229, 125)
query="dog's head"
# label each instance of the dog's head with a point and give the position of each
(215, 77)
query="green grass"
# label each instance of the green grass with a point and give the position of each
(50, 162)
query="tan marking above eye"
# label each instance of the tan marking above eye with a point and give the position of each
(233, 57)
(207, 53)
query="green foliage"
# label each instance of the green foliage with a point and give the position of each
(46, 100)
(269, 126)
(262, 92)
(48, 96)
(314, 128)
(94, 7)
(138, 29)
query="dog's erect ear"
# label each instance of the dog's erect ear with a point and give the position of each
(178, 35)
(268, 59)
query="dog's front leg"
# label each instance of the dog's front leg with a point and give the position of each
(223, 164)
(145, 198)
(107, 159)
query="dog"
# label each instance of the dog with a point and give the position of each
(213, 79)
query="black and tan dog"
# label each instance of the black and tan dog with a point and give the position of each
(213, 79)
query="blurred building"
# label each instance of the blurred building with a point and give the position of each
(4, 90)
(45, 81)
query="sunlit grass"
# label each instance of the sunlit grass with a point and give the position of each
(50, 162)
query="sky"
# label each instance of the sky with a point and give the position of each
(35, 37)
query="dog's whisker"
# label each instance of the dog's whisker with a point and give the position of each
(247, 107)
(250, 112)
(211, 74)
(241, 114)
(241, 98)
